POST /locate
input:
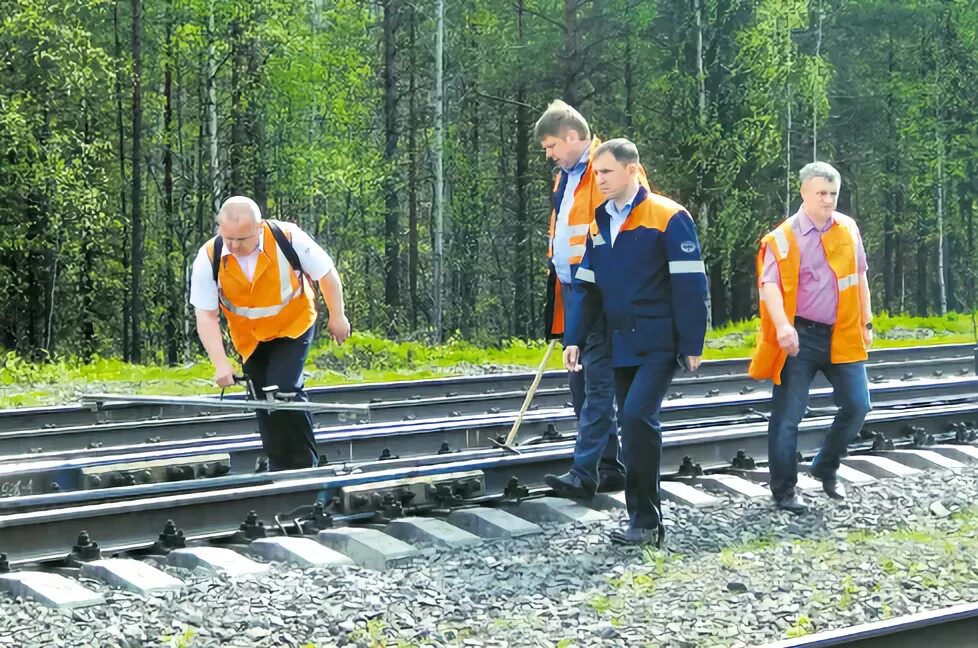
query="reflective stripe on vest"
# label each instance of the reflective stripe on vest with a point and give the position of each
(781, 239)
(848, 281)
(585, 274)
(285, 286)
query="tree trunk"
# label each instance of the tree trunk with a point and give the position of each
(413, 172)
(240, 137)
(171, 323)
(570, 63)
(392, 220)
(923, 304)
(521, 319)
(439, 171)
(629, 81)
(137, 218)
(258, 147)
(211, 115)
(124, 212)
(705, 204)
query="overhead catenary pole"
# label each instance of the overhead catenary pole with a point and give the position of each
(439, 179)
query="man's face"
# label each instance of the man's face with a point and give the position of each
(240, 235)
(615, 179)
(565, 151)
(819, 197)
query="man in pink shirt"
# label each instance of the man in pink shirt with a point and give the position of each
(813, 338)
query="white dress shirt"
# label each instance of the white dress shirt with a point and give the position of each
(203, 289)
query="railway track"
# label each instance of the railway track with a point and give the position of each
(43, 527)
(955, 626)
(187, 458)
(361, 483)
(478, 394)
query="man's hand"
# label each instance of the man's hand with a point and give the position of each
(694, 362)
(788, 339)
(867, 337)
(339, 328)
(224, 374)
(572, 355)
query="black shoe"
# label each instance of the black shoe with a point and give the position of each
(569, 485)
(793, 502)
(639, 537)
(611, 482)
(834, 489)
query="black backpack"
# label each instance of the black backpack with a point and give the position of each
(283, 243)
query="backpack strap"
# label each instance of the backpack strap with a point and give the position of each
(216, 256)
(285, 244)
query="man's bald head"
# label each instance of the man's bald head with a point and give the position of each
(238, 224)
(238, 209)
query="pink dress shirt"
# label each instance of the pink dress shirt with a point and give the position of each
(818, 287)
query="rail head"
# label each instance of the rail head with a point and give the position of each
(951, 626)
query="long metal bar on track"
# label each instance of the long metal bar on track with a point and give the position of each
(884, 362)
(955, 627)
(98, 400)
(64, 471)
(205, 512)
(121, 437)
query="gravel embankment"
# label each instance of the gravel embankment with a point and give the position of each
(740, 574)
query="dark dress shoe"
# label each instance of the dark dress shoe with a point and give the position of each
(834, 489)
(831, 486)
(569, 485)
(793, 502)
(611, 482)
(639, 537)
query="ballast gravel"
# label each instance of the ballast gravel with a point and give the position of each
(738, 574)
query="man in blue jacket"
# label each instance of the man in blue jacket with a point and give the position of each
(642, 271)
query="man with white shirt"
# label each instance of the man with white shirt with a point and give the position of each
(258, 273)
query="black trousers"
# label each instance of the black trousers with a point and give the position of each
(640, 391)
(286, 435)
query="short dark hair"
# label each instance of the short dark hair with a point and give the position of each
(557, 119)
(622, 149)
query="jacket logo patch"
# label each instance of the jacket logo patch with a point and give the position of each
(688, 247)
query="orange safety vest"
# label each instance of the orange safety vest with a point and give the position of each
(276, 303)
(841, 246)
(587, 199)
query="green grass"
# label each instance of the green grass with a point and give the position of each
(371, 358)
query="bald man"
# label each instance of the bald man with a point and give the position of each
(259, 273)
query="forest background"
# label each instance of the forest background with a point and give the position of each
(123, 125)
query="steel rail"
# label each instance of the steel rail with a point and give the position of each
(955, 626)
(66, 471)
(884, 363)
(217, 507)
(87, 439)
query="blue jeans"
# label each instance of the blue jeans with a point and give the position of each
(640, 392)
(286, 435)
(597, 448)
(850, 391)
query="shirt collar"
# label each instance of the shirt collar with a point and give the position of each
(805, 224)
(613, 210)
(581, 164)
(261, 243)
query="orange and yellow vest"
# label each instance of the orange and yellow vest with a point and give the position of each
(278, 302)
(587, 199)
(841, 245)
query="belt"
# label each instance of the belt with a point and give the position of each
(801, 322)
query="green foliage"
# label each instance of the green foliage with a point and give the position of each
(300, 123)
